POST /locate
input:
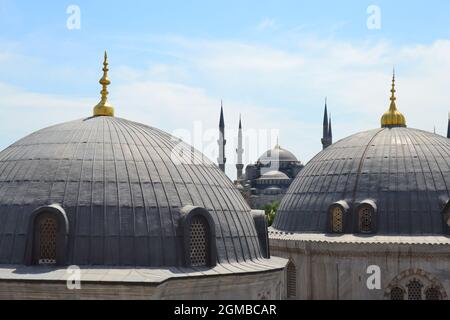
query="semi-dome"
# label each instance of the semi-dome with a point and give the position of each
(277, 154)
(109, 191)
(391, 181)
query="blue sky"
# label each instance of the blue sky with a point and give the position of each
(273, 61)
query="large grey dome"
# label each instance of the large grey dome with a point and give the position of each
(404, 172)
(277, 154)
(122, 188)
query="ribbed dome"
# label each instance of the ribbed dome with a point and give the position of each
(405, 172)
(122, 185)
(277, 154)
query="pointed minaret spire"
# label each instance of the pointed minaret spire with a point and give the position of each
(222, 142)
(240, 152)
(222, 121)
(448, 127)
(103, 108)
(326, 142)
(330, 131)
(325, 119)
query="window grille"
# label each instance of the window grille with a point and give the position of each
(415, 290)
(432, 293)
(397, 293)
(337, 220)
(365, 220)
(198, 242)
(291, 280)
(47, 240)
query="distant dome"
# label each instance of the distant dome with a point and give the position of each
(277, 154)
(122, 186)
(404, 172)
(272, 175)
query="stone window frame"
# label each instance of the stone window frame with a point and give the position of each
(62, 234)
(343, 205)
(291, 276)
(372, 207)
(426, 279)
(188, 213)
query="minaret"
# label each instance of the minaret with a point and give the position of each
(222, 142)
(326, 141)
(104, 108)
(448, 128)
(330, 132)
(240, 152)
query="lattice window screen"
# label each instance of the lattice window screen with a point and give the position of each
(397, 294)
(47, 240)
(432, 294)
(198, 242)
(365, 220)
(291, 280)
(415, 290)
(337, 220)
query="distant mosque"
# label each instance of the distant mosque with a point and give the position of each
(267, 180)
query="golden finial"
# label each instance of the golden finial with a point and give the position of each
(393, 117)
(103, 108)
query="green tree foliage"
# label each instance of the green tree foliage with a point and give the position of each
(271, 211)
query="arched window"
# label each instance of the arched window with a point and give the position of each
(291, 283)
(337, 219)
(46, 237)
(337, 216)
(199, 237)
(397, 293)
(414, 290)
(433, 293)
(198, 244)
(415, 284)
(365, 219)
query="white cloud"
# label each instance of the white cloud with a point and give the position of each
(24, 112)
(267, 23)
(273, 86)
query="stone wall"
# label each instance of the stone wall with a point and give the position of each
(253, 286)
(335, 271)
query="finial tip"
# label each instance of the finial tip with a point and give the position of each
(103, 108)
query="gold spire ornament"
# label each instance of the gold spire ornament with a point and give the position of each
(104, 108)
(393, 117)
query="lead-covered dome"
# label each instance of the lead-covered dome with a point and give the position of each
(402, 175)
(122, 186)
(108, 191)
(277, 154)
(389, 181)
